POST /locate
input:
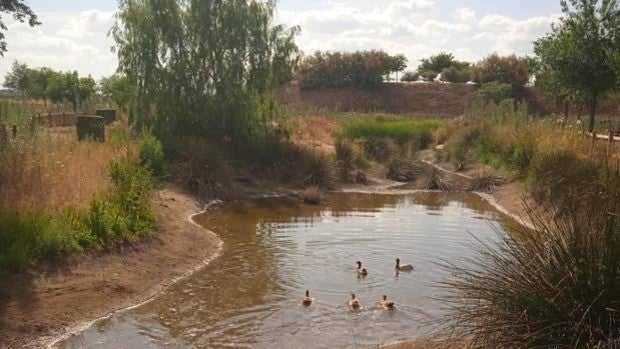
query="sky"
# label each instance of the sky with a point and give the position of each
(73, 35)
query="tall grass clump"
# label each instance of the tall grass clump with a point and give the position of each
(320, 171)
(556, 286)
(349, 157)
(400, 131)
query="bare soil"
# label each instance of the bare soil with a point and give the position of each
(41, 305)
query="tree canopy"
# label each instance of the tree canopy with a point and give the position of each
(579, 57)
(510, 70)
(361, 69)
(204, 67)
(20, 12)
(444, 63)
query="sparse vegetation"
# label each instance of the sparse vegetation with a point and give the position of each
(311, 196)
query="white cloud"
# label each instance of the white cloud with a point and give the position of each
(465, 15)
(506, 35)
(65, 41)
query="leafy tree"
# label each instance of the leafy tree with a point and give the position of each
(118, 89)
(21, 12)
(579, 55)
(38, 81)
(510, 70)
(64, 87)
(86, 89)
(495, 92)
(451, 70)
(410, 76)
(18, 79)
(204, 68)
(361, 69)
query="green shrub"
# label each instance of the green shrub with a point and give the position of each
(152, 155)
(522, 155)
(495, 92)
(380, 148)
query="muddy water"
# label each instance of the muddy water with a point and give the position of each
(275, 249)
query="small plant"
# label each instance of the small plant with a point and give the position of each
(380, 148)
(434, 178)
(204, 170)
(321, 171)
(311, 196)
(348, 154)
(403, 169)
(152, 155)
(484, 181)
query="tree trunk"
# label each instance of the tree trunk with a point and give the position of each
(593, 111)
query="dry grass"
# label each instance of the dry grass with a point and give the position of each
(314, 132)
(50, 170)
(311, 196)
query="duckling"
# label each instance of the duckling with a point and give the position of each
(354, 303)
(386, 304)
(361, 271)
(307, 299)
(403, 267)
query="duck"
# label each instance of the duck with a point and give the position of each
(403, 267)
(307, 299)
(354, 303)
(386, 304)
(361, 271)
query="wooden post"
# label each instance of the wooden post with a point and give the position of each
(14, 130)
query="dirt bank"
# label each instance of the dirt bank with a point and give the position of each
(40, 306)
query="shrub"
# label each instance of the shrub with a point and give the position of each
(556, 287)
(563, 179)
(455, 74)
(510, 70)
(204, 170)
(311, 196)
(485, 182)
(320, 171)
(410, 76)
(495, 92)
(403, 169)
(435, 179)
(348, 155)
(380, 148)
(151, 154)
(522, 155)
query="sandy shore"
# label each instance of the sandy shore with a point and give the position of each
(39, 307)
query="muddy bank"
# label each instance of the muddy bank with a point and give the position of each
(38, 307)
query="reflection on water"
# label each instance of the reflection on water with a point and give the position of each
(275, 249)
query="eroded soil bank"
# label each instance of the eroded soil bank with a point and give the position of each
(37, 307)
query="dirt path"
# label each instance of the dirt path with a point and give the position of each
(38, 307)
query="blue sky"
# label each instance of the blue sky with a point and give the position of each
(73, 34)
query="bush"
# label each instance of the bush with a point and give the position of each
(204, 170)
(320, 171)
(380, 148)
(152, 155)
(555, 287)
(363, 70)
(485, 182)
(403, 169)
(563, 179)
(435, 179)
(348, 155)
(410, 76)
(455, 74)
(509, 70)
(494, 92)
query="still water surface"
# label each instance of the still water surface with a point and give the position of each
(275, 249)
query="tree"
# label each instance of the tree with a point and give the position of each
(21, 12)
(444, 63)
(18, 78)
(410, 76)
(86, 89)
(204, 68)
(64, 87)
(118, 89)
(581, 51)
(38, 82)
(510, 70)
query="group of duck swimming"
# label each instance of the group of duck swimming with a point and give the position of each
(354, 303)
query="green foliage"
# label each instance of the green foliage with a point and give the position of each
(361, 69)
(69, 87)
(118, 88)
(242, 57)
(20, 12)
(577, 58)
(29, 238)
(17, 79)
(495, 92)
(451, 70)
(90, 128)
(381, 149)
(410, 76)
(511, 70)
(400, 131)
(152, 155)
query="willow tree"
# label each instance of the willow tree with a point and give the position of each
(204, 68)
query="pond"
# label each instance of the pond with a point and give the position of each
(275, 249)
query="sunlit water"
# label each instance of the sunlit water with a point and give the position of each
(275, 249)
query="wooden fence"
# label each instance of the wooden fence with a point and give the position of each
(54, 119)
